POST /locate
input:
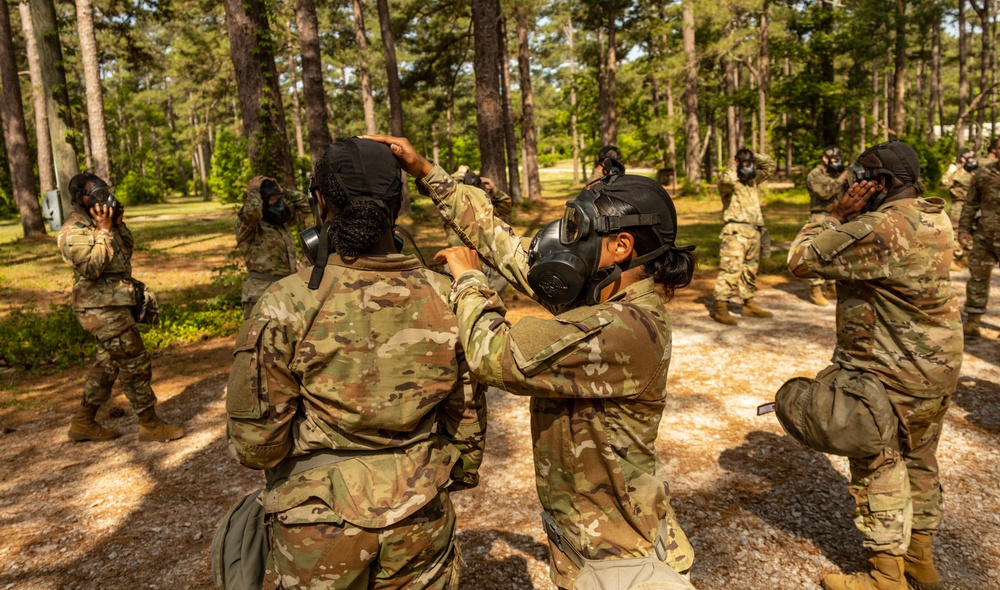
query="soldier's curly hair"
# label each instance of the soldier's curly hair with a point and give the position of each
(673, 269)
(356, 224)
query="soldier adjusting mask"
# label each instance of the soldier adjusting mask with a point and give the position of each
(276, 210)
(746, 165)
(896, 160)
(834, 160)
(101, 193)
(970, 162)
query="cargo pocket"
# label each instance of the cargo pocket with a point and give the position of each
(245, 397)
(889, 512)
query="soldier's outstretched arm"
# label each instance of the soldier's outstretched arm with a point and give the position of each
(300, 202)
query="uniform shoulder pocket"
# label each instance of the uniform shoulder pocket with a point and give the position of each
(244, 393)
(832, 242)
(535, 341)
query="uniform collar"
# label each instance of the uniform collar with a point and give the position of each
(389, 262)
(634, 291)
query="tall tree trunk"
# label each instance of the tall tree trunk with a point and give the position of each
(896, 124)
(394, 91)
(935, 82)
(985, 64)
(489, 111)
(609, 115)
(171, 124)
(251, 47)
(366, 83)
(449, 139)
(527, 109)
(46, 175)
(154, 139)
(693, 152)
(296, 107)
(317, 121)
(788, 132)
(15, 133)
(572, 101)
(963, 76)
(57, 105)
(671, 139)
(508, 116)
(729, 81)
(887, 122)
(741, 141)
(92, 78)
(763, 76)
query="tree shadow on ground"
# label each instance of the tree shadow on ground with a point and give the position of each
(978, 397)
(482, 572)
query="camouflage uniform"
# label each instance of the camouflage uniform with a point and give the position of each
(597, 380)
(102, 299)
(739, 252)
(368, 365)
(268, 250)
(503, 205)
(897, 318)
(984, 199)
(957, 181)
(824, 190)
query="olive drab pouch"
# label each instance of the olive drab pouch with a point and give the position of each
(840, 412)
(635, 573)
(240, 547)
(146, 309)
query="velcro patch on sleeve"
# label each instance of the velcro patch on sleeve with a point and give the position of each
(243, 393)
(535, 341)
(832, 242)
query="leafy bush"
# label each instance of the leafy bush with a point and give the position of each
(29, 339)
(230, 168)
(136, 190)
(547, 159)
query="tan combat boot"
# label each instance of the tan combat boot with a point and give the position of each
(816, 296)
(887, 574)
(84, 427)
(722, 314)
(920, 570)
(831, 290)
(971, 327)
(152, 428)
(753, 310)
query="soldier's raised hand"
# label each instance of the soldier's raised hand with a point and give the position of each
(101, 214)
(414, 164)
(853, 202)
(254, 184)
(459, 259)
(490, 187)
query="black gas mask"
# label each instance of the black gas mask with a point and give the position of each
(101, 193)
(971, 163)
(276, 211)
(611, 161)
(564, 257)
(834, 161)
(746, 166)
(473, 179)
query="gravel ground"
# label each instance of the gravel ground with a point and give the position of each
(761, 511)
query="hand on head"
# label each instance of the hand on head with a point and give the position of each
(101, 214)
(459, 259)
(488, 184)
(411, 161)
(853, 202)
(254, 185)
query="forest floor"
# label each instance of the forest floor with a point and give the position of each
(761, 511)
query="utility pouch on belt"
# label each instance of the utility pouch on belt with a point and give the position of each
(840, 412)
(634, 573)
(241, 546)
(765, 242)
(145, 310)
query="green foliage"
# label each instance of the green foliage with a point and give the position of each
(192, 322)
(30, 340)
(230, 168)
(134, 189)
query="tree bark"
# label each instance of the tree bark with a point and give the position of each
(729, 80)
(46, 175)
(527, 109)
(693, 151)
(15, 133)
(609, 115)
(181, 172)
(394, 91)
(671, 139)
(489, 111)
(95, 98)
(788, 132)
(896, 123)
(963, 77)
(317, 121)
(366, 82)
(572, 101)
(57, 105)
(508, 116)
(296, 107)
(763, 77)
(935, 81)
(252, 49)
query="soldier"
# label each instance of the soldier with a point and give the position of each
(957, 180)
(503, 205)
(347, 388)
(984, 240)
(826, 183)
(596, 373)
(897, 320)
(743, 229)
(98, 245)
(609, 161)
(264, 236)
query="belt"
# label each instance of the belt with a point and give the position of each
(294, 466)
(115, 276)
(263, 276)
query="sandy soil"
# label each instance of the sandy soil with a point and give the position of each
(761, 511)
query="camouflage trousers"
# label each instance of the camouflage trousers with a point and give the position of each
(252, 290)
(417, 552)
(955, 215)
(982, 260)
(899, 490)
(120, 352)
(739, 259)
(816, 217)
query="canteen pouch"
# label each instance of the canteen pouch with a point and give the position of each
(840, 412)
(240, 547)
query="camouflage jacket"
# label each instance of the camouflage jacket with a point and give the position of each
(740, 202)
(984, 199)
(101, 261)
(957, 181)
(597, 378)
(369, 364)
(268, 248)
(897, 315)
(824, 190)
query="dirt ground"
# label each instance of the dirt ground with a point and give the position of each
(762, 512)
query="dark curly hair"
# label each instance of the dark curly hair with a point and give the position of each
(357, 224)
(673, 269)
